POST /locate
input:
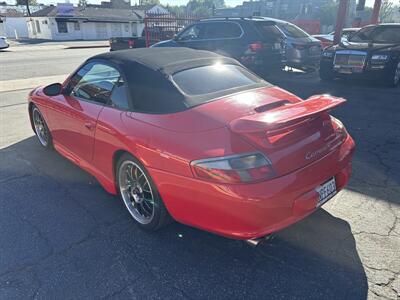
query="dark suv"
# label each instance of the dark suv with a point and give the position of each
(255, 42)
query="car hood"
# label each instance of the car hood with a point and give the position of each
(219, 112)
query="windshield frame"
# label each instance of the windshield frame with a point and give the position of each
(373, 31)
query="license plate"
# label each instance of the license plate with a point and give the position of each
(326, 191)
(277, 46)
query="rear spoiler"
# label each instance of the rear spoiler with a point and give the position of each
(286, 115)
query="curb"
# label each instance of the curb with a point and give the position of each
(86, 46)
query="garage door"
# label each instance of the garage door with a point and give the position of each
(101, 31)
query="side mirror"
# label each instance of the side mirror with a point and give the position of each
(53, 89)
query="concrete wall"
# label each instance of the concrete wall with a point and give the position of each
(15, 24)
(82, 30)
(42, 23)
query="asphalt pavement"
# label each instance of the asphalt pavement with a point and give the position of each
(63, 237)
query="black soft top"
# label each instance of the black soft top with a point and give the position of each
(148, 72)
(168, 60)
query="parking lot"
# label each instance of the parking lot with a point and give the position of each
(63, 236)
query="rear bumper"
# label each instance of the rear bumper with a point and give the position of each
(301, 59)
(248, 211)
(367, 74)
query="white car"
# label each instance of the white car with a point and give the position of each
(3, 42)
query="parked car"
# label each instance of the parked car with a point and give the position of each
(120, 43)
(373, 52)
(327, 39)
(194, 136)
(154, 34)
(302, 50)
(4, 43)
(255, 42)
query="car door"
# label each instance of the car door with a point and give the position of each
(75, 113)
(195, 37)
(226, 37)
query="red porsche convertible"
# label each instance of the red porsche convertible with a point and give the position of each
(194, 136)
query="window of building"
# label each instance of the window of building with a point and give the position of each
(77, 26)
(62, 27)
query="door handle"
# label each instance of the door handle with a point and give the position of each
(89, 125)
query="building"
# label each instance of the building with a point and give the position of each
(280, 9)
(13, 24)
(66, 22)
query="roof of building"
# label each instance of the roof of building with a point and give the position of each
(91, 14)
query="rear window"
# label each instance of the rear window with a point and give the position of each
(291, 30)
(268, 31)
(214, 78)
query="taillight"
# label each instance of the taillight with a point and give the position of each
(131, 43)
(339, 127)
(257, 46)
(242, 168)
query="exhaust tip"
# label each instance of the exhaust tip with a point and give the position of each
(256, 242)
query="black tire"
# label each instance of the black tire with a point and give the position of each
(392, 78)
(160, 217)
(326, 73)
(43, 135)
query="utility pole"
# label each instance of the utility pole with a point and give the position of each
(340, 20)
(375, 12)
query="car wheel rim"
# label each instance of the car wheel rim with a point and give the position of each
(136, 192)
(397, 74)
(40, 127)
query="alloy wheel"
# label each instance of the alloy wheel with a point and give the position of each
(40, 127)
(136, 192)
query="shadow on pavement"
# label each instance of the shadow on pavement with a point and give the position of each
(62, 234)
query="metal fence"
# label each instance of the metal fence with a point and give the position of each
(160, 27)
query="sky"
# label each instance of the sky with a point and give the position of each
(171, 2)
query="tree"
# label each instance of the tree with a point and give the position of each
(82, 3)
(23, 2)
(386, 11)
(327, 14)
(176, 9)
(204, 7)
(27, 3)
